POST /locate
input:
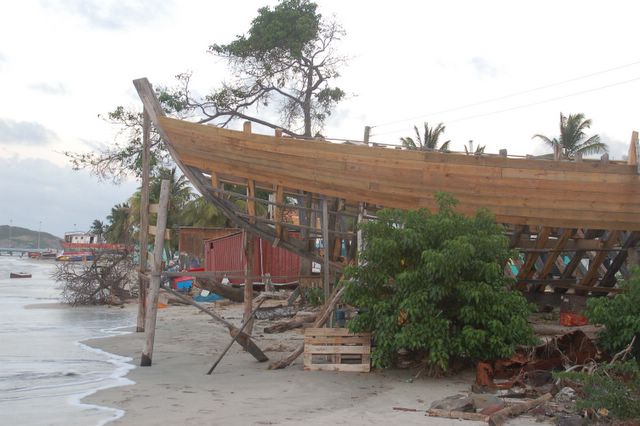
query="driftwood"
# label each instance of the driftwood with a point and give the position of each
(296, 322)
(451, 414)
(325, 313)
(226, 291)
(274, 295)
(275, 312)
(500, 417)
(243, 339)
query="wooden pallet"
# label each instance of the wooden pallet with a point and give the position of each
(336, 349)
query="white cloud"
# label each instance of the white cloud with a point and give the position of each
(25, 132)
(50, 88)
(37, 190)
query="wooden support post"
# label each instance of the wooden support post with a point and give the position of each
(248, 280)
(246, 127)
(144, 221)
(503, 153)
(367, 133)
(251, 200)
(156, 270)
(634, 152)
(215, 183)
(557, 152)
(604, 159)
(327, 248)
(306, 201)
(279, 213)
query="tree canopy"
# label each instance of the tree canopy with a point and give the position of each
(286, 62)
(286, 59)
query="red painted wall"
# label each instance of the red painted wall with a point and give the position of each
(226, 255)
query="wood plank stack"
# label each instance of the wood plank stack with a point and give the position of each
(336, 349)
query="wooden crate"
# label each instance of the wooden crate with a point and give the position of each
(336, 349)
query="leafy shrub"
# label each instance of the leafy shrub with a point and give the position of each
(313, 296)
(620, 315)
(434, 284)
(615, 387)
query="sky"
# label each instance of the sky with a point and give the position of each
(495, 72)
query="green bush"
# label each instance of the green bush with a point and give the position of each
(313, 296)
(615, 387)
(620, 315)
(434, 284)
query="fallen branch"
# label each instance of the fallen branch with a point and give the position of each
(500, 417)
(275, 295)
(451, 414)
(325, 313)
(297, 322)
(623, 353)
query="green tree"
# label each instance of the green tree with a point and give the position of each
(428, 142)
(287, 60)
(123, 157)
(119, 229)
(433, 284)
(620, 315)
(573, 139)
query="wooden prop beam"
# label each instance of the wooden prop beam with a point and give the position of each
(235, 337)
(156, 114)
(242, 338)
(609, 278)
(156, 271)
(595, 264)
(551, 258)
(528, 269)
(144, 221)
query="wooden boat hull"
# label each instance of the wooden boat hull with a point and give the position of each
(589, 210)
(517, 191)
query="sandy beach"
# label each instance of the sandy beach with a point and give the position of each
(176, 390)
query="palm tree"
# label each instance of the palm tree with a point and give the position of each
(572, 138)
(119, 228)
(201, 213)
(429, 142)
(97, 228)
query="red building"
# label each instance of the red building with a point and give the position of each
(226, 254)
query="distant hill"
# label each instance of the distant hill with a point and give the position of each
(26, 238)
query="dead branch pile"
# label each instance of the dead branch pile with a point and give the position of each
(103, 280)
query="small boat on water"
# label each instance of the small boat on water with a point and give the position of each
(19, 275)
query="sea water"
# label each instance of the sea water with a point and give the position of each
(44, 369)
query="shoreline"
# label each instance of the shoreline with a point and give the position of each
(176, 390)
